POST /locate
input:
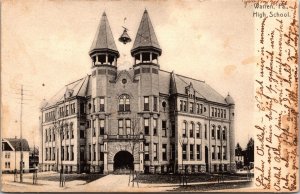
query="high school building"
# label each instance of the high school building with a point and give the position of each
(143, 118)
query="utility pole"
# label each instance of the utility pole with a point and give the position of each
(21, 114)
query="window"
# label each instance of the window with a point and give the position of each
(192, 129)
(94, 105)
(50, 154)
(213, 132)
(212, 112)
(181, 105)
(184, 127)
(219, 132)
(146, 103)
(146, 152)
(201, 108)
(154, 126)
(128, 126)
(72, 130)
(82, 108)
(72, 111)
(94, 152)
(198, 153)
(224, 113)
(155, 151)
(184, 106)
(146, 126)
(90, 152)
(219, 152)
(53, 153)
(184, 151)
(124, 103)
(164, 128)
(68, 154)
(88, 124)
(81, 134)
(101, 158)
(93, 127)
(102, 101)
(46, 154)
(67, 131)
(120, 127)
(67, 110)
(213, 153)
(7, 164)
(198, 108)
(154, 103)
(198, 130)
(46, 135)
(218, 112)
(63, 133)
(164, 151)
(191, 152)
(205, 131)
(101, 124)
(224, 133)
(224, 153)
(221, 113)
(191, 107)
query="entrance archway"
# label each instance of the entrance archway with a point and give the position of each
(123, 160)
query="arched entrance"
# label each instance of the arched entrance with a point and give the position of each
(123, 161)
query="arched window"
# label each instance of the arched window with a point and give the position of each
(213, 131)
(192, 129)
(198, 130)
(184, 127)
(219, 132)
(124, 103)
(224, 133)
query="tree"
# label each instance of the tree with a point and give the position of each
(249, 153)
(239, 153)
(238, 150)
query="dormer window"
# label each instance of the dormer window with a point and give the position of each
(124, 103)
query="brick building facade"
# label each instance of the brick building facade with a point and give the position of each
(143, 118)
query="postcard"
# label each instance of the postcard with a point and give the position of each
(149, 96)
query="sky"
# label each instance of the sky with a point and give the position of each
(47, 43)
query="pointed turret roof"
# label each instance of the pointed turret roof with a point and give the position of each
(145, 37)
(104, 40)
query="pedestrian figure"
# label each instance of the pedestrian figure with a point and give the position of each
(34, 175)
(61, 184)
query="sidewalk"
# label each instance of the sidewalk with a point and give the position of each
(109, 183)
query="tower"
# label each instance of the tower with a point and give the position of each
(145, 52)
(104, 55)
(231, 105)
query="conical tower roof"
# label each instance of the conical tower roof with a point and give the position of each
(145, 38)
(104, 40)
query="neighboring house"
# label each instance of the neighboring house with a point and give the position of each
(11, 154)
(143, 118)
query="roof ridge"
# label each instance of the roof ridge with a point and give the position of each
(81, 86)
(74, 81)
(191, 78)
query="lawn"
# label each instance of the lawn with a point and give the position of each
(70, 177)
(172, 178)
(213, 186)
